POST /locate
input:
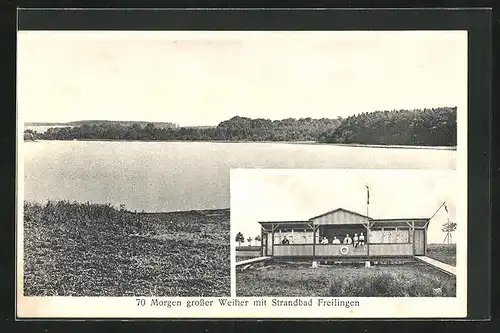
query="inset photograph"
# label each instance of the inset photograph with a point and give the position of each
(353, 233)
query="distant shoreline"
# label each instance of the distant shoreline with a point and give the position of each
(358, 145)
(405, 129)
(361, 145)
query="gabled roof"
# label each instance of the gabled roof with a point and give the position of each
(340, 209)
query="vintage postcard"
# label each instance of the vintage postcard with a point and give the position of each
(205, 174)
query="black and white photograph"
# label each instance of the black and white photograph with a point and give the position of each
(345, 233)
(127, 140)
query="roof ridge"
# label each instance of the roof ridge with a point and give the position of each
(337, 209)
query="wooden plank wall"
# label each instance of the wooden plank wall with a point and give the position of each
(391, 249)
(293, 250)
(334, 250)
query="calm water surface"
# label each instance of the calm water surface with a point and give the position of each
(170, 176)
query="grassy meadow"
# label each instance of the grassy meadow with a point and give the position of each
(446, 253)
(245, 252)
(84, 249)
(300, 280)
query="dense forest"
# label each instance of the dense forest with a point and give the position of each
(290, 129)
(427, 127)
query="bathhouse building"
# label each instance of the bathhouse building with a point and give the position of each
(314, 238)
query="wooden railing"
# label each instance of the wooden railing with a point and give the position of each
(334, 250)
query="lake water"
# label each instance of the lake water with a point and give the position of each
(170, 176)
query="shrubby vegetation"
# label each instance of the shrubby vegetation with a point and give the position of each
(300, 280)
(392, 284)
(446, 253)
(427, 127)
(85, 249)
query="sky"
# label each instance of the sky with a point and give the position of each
(281, 195)
(203, 78)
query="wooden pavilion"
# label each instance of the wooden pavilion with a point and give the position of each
(402, 237)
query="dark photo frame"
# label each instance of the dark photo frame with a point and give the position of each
(477, 22)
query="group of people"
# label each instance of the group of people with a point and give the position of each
(355, 241)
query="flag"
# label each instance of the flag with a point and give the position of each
(367, 195)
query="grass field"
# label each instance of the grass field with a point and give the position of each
(247, 252)
(446, 253)
(300, 280)
(76, 249)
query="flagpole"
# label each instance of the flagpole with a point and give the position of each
(367, 200)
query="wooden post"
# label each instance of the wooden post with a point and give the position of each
(425, 241)
(261, 243)
(413, 233)
(314, 243)
(367, 238)
(272, 240)
(413, 247)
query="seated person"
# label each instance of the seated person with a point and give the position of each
(335, 240)
(285, 241)
(355, 240)
(324, 240)
(347, 239)
(361, 239)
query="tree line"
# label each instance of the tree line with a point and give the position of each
(241, 239)
(105, 131)
(427, 127)
(290, 129)
(236, 128)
